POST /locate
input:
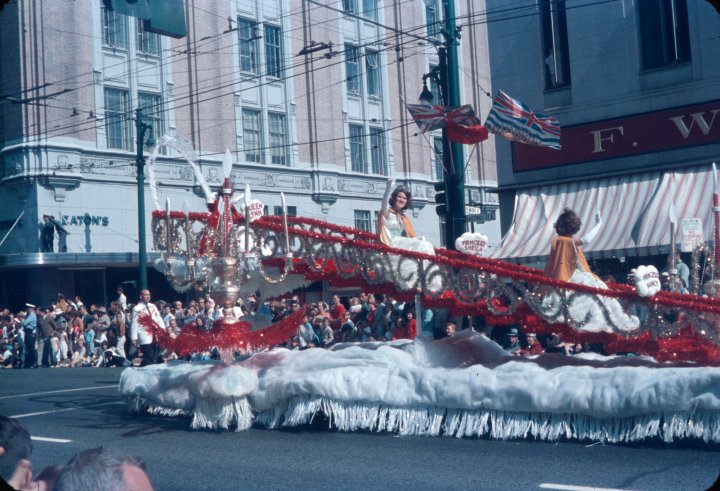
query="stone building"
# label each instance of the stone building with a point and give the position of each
(309, 96)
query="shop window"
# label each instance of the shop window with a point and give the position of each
(555, 43)
(664, 32)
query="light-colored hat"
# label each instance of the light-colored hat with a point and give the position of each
(531, 334)
(30, 306)
(513, 332)
(58, 312)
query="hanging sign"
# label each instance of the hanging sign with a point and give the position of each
(692, 234)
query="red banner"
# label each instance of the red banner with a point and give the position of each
(686, 126)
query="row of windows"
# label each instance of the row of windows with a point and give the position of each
(664, 37)
(119, 124)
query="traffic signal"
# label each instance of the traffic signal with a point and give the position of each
(164, 17)
(441, 198)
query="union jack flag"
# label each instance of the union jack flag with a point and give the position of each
(427, 117)
(430, 118)
(515, 121)
(461, 123)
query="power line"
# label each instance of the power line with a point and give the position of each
(39, 123)
(129, 114)
(233, 82)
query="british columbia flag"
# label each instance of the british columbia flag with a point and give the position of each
(515, 121)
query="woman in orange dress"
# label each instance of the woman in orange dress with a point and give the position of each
(567, 262)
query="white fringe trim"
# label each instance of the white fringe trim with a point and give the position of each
(224, 413)
(503, 425)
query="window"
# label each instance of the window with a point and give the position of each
(372, 68)
(117, 119)
(352, 68)
(443, 225)
(114, 29)
(435, 88)
(273, 52)
(362, 220)
(438, 158)
(151, 105)
(278, 140)
(147, 42)
(664, 32)
(248, 41)
(350, 6)
(252, 136)
(432, 19)
(357, 149)
(291, 211)
(377, 151)
(370, 9)
(555, 43)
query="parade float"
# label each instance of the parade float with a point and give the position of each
(660, 379)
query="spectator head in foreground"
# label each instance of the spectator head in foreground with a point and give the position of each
(101, 468)
(15, 446)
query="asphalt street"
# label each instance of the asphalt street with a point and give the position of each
(69, 410)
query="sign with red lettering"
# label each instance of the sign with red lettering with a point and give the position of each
(471, 243)
(686, 126)
(692, 234)
(255, 210)
(647, 280)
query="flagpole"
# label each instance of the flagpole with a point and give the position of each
(716, 213)
(455, 179)
(672, 264)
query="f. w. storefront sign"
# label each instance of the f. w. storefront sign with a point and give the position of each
(686, 126)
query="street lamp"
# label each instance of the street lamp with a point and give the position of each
(426, 96)
(140, 129)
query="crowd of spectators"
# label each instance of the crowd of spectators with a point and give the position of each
(69, 333)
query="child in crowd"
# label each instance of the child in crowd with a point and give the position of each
(348, 330)
(80, 357)
(326, 333)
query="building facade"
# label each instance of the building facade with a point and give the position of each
(634, 86)
(308, 96)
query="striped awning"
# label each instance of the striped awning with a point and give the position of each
(691, 192)
(634, 211)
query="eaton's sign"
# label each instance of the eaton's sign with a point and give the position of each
(87, 219)
(681, 127)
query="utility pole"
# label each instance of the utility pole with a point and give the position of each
(450, 192)
(140, 129)
(453, 159)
